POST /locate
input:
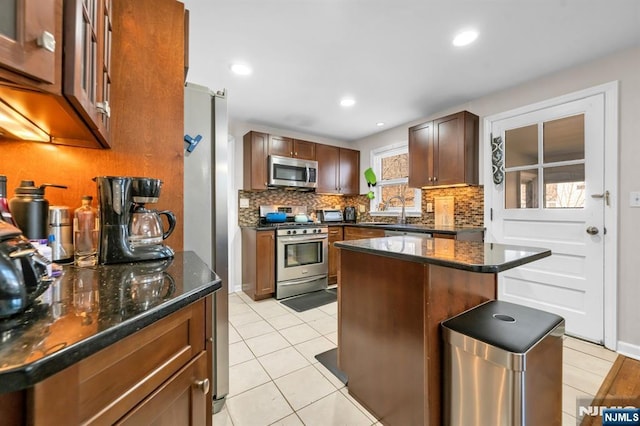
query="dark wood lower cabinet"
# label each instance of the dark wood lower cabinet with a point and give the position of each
(335, 234)
(258, 263)
(157, 375)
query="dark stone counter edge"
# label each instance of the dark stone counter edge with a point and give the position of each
(37, 371)
(390, 227)
(484, 268)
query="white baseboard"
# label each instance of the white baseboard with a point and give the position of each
(630, 350)
(236, 289)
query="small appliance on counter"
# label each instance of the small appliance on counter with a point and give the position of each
(23, 272)
(60, 236)
(30, 209)
(121, 240)
(350, 214)
(330, 215)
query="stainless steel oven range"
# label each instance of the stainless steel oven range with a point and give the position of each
(302, 250)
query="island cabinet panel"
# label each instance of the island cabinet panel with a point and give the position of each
(390, 345)
(162, 365)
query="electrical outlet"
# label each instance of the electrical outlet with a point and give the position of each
(634, 199)
(244, 203)
(429, 207)
(362, 208)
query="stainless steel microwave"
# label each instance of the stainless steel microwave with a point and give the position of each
(293, 173)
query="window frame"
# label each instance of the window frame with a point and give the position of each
(377, 155)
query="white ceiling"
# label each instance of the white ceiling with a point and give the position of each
(394, 57)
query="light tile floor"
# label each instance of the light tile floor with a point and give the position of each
(274, 378)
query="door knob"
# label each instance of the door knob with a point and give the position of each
(592, 230)
(202, 385)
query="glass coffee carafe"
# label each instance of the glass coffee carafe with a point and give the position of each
(147, 227)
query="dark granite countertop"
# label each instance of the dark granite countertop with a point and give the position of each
(88, 309)
(418, 227)
(472, 256)
(409, 227)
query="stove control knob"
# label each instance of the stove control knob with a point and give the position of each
(294, 232)
(288, 232)
(304, 231)
(316, 230)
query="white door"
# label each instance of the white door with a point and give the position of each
(553, 196)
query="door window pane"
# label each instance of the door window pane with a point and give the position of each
(521, 146)
(521, 189)
(564, 187)
(8, 19)
(564, 139)
(395, 166)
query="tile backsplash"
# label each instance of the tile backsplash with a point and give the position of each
(468, 204)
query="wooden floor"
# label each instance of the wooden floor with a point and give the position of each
(621, 387)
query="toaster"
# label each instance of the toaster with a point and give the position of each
(23, 271)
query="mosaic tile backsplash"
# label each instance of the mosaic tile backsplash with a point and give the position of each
(468, 201)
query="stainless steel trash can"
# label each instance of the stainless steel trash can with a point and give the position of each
(503, 366)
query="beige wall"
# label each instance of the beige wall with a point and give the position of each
(623, 66)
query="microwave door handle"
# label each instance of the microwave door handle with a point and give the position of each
(307, 168)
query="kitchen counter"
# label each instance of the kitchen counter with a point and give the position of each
(467, 255)
(419, 227)
(393, 294)
(88, 309)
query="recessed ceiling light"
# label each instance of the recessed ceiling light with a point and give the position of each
(464, 38)
(241, 69)
(380, 124)
(347, 102)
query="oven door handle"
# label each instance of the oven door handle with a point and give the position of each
(301, 281)
(316, 238)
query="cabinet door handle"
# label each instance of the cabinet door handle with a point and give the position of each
(47, 41)
(435, 178)
(291, 153)
(295, 153)
(430, 178)
(104, 108)
(202, 385)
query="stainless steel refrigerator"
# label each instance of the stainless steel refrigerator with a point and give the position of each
(206, 190)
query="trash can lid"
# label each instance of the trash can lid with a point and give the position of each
(511, 327)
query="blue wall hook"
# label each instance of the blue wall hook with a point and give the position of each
(193, 142)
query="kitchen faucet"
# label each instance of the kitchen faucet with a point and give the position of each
(402, 218)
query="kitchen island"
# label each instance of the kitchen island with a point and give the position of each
(393, 292)
(115, 343)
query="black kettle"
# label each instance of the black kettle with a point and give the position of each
(23, 272)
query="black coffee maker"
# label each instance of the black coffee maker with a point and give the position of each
(350, 214)
(116, 196)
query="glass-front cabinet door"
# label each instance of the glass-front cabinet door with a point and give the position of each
(27, 38)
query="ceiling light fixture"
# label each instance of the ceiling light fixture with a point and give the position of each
(347, 102)
(380, 124)
(241, 69)
(464, 38)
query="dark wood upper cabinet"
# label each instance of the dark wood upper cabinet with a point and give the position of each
(67, 96)
(304, 149)
(294, 148)
(256, 148)
(444, 151)
(338, 170)
(281, 146)
(87, 25)
(348, 171)
(28, 39)
(328, 158)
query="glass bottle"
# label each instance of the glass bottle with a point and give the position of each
(85, 233)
